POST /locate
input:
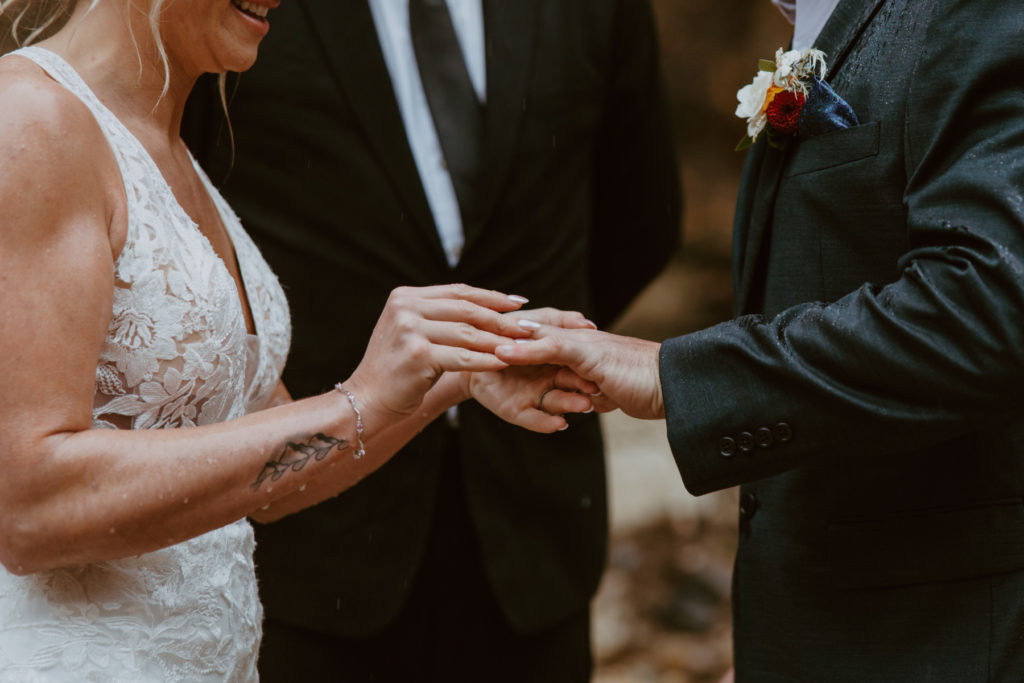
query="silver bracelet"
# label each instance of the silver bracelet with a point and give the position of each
(360, 450)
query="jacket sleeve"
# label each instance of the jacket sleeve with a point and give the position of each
(637, 203)
(933, 355)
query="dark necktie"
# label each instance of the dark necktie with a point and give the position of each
(457, 113)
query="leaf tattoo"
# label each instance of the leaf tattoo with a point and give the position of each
(295, 456)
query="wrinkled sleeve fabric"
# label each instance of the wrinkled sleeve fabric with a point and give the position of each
(933, 355)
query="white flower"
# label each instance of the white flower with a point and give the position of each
(751, 102)
(794, 68)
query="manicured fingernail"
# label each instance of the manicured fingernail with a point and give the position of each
(523, 341)
(519, 299)
(563, 428)
(529, 324)
(597, 395)
(589, 410)
(591, 323)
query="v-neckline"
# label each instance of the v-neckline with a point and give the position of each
(243, 300)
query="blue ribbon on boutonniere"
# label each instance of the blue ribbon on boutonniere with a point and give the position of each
(790, 98)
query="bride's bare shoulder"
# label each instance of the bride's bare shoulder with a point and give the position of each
(57, 162)
(42, 116)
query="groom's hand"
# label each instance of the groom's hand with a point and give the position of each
(625, 369)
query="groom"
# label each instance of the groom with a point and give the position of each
(520, 145)
(868, 395)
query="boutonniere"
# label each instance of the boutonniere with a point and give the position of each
(790, 98)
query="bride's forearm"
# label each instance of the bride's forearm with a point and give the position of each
(380, 445)
(101, 494)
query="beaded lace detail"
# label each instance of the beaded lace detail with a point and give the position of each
(177, 354)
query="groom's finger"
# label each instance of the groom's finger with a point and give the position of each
(558, 402)
(550, 346)
(570, 381)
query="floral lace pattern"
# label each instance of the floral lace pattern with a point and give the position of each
(177, 354)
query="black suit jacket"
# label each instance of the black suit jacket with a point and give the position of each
(581, 211)
(877, 372)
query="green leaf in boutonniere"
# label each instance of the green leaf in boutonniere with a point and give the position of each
(747, 141)
(766, 65)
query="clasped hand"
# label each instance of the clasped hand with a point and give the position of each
(562, 363)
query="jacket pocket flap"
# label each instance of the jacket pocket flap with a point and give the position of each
(930, 546)
(835, 148)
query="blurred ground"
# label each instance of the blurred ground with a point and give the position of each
(662, 614)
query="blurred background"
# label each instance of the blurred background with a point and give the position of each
(662, 613)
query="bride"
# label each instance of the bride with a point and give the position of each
(143, 338)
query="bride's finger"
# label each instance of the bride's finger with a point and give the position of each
(539, 421)
(453, 310)
(455, 359)
(462, 335)
(555, 317)
(489, 298)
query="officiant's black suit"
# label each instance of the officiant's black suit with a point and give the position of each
(580, 211)
(870, 401)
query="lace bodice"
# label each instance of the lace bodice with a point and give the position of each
(177, 354)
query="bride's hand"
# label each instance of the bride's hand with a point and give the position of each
(426, 331)
(536, 397)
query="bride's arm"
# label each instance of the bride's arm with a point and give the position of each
(70, 494)
(513, 394)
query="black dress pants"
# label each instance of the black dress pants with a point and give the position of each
(451, 629)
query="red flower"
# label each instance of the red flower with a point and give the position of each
(784, 112)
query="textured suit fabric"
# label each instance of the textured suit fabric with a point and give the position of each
(880, 287)
(579, 210)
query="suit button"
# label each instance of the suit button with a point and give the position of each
(745, 441)
(783, 432)
(727, 447)
(764, 438)
(748, 505)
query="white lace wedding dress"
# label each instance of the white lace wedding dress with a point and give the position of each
(177, 354)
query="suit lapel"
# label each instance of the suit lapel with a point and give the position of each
(756, 200)
(510, 27)
(349, 38)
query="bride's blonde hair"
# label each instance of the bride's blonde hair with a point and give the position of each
(31, 20)
(23, 22)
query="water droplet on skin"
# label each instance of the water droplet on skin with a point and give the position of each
(185, 502)
(302, 488)
(265, 507)
(124, 496)
(20, 568)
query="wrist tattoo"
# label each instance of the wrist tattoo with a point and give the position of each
(294, 456)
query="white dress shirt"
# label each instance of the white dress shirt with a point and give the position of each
(391, 17)
(809, 17)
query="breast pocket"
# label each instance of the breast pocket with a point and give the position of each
(835, 148)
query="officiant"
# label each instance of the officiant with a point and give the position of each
(521, 145)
